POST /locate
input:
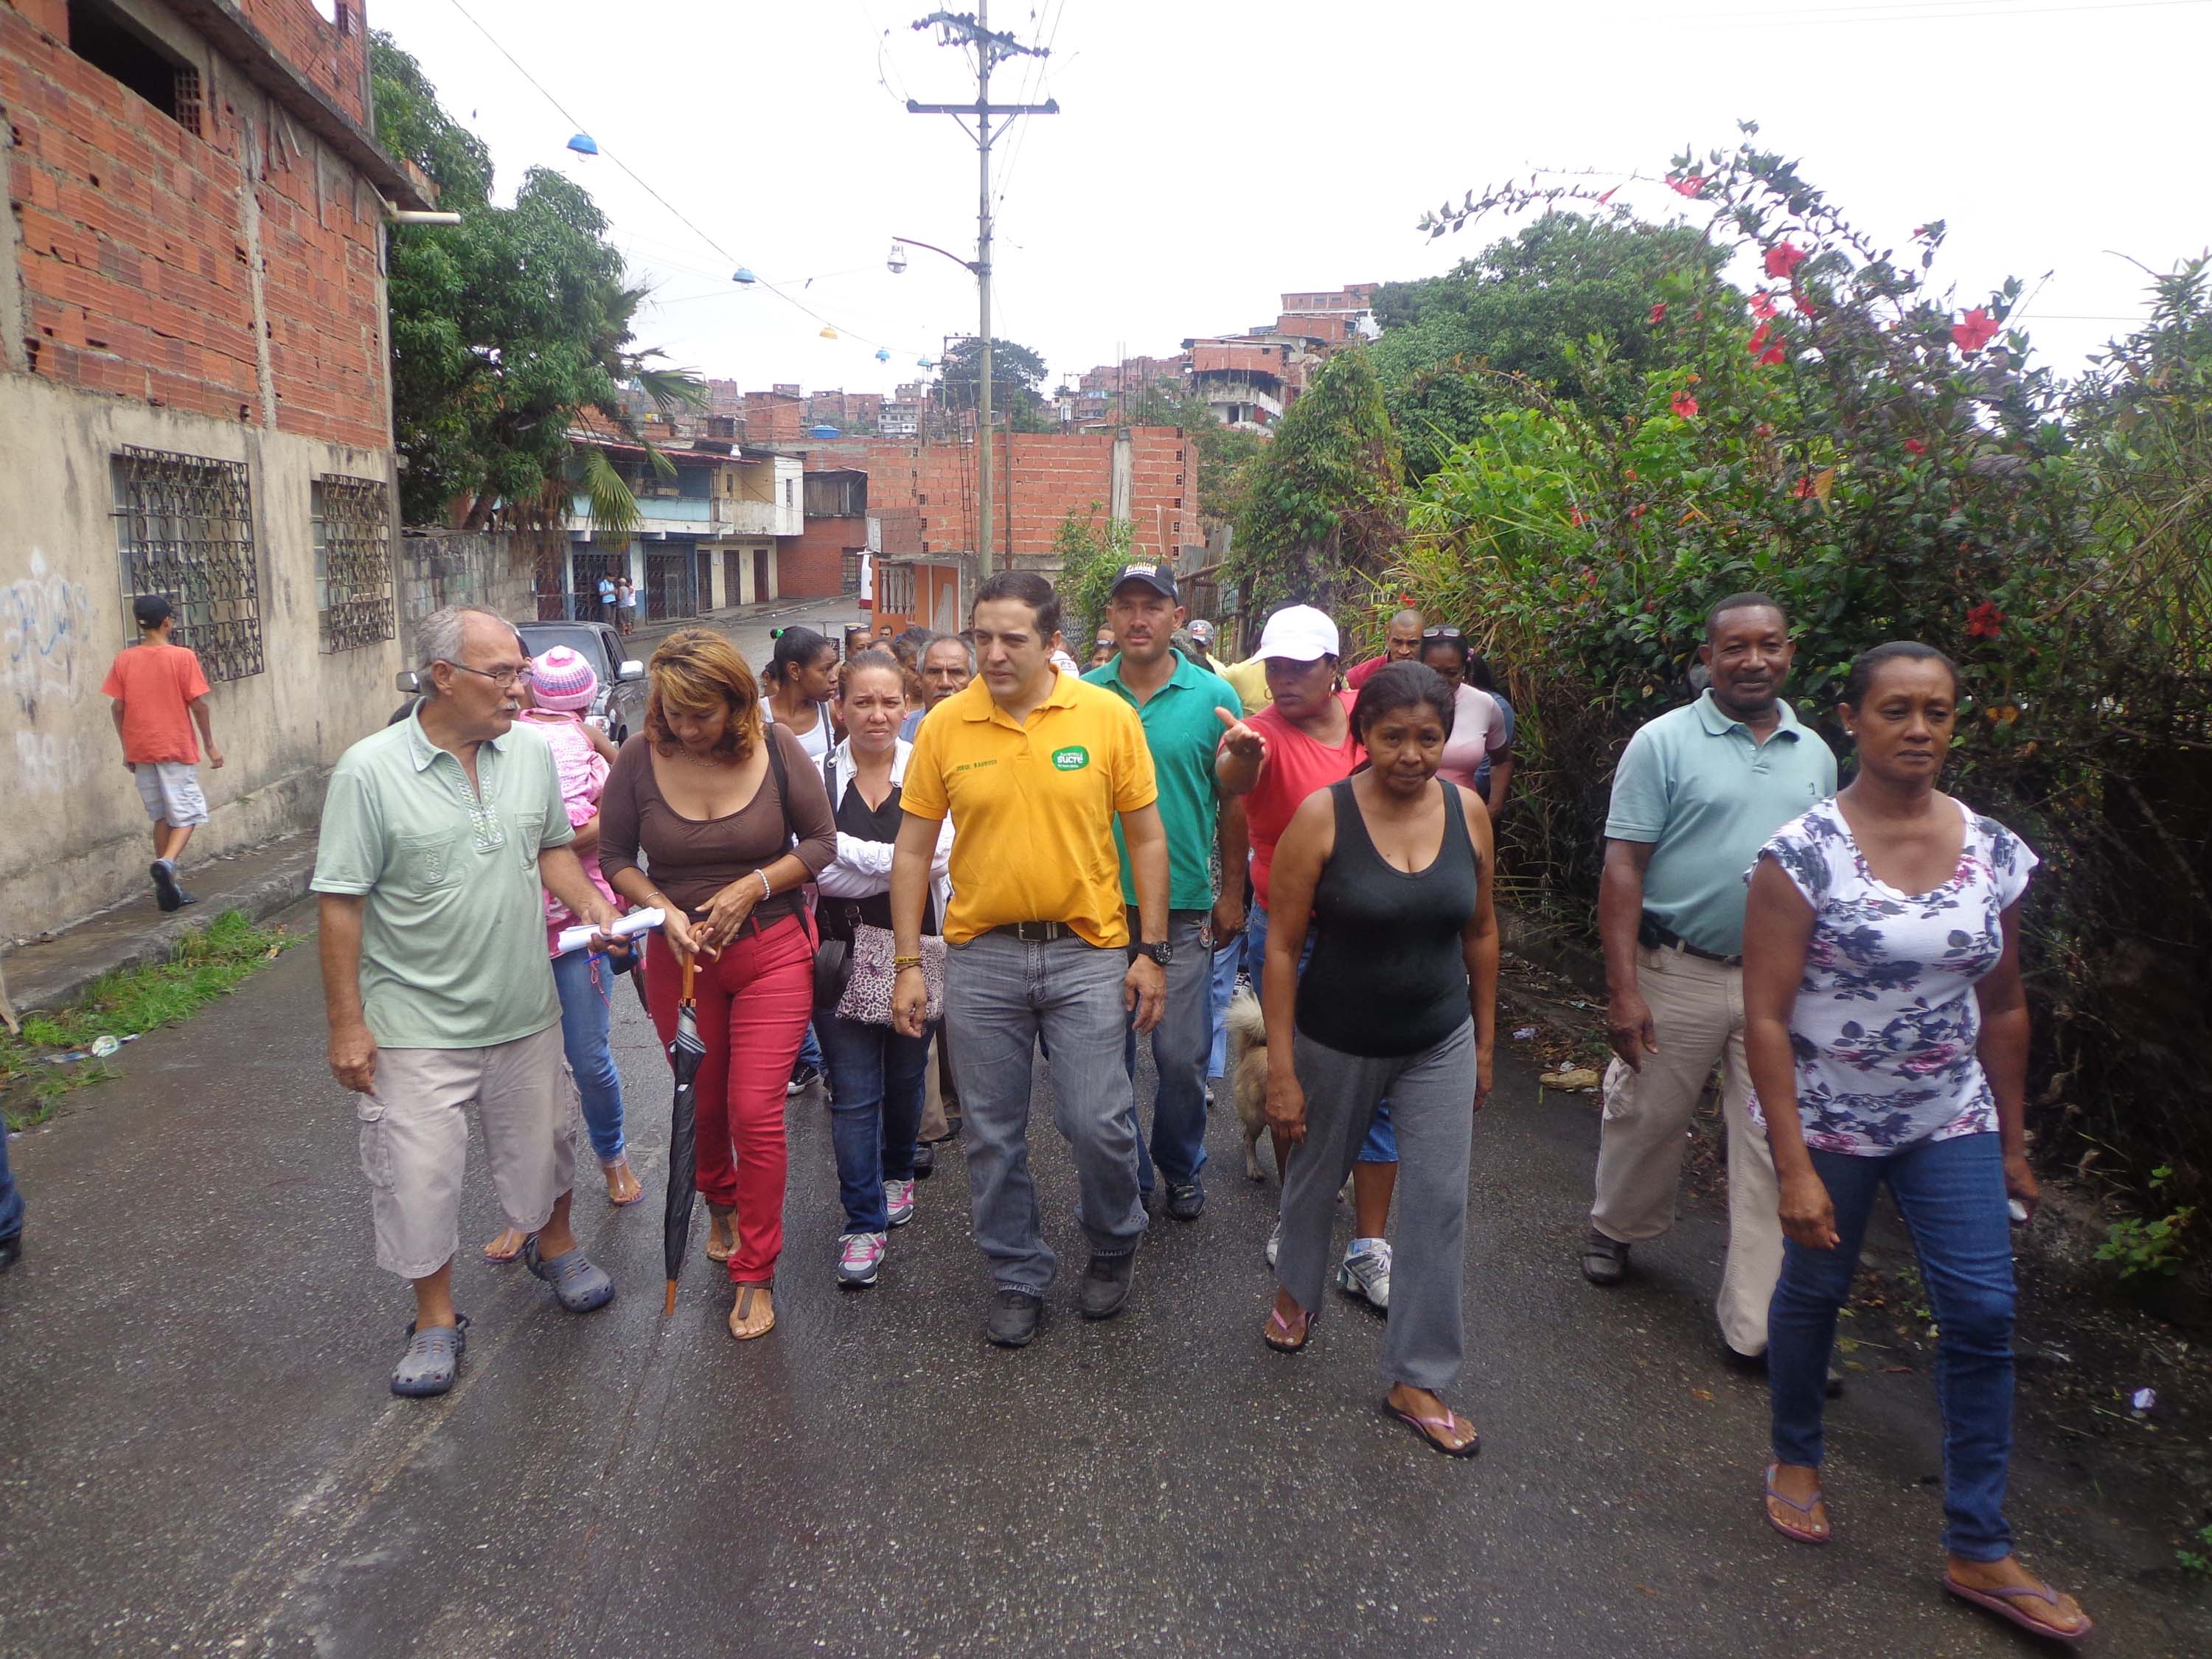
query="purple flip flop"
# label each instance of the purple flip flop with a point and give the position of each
(1801, 1534)
(2000, 1601)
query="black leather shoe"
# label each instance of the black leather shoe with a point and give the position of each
(925, 1160)
(1012, 1319)
(1106, 1284)
(1605, 1261)
(1186, 1200)
(11, 1248)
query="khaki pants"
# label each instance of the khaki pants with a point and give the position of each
(415, 1141)
(1697, 1009)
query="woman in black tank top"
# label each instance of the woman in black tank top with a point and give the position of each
(1392, 867)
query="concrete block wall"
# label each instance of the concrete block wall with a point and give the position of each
(811, 566)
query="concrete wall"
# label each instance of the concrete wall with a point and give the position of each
(81, 834)
(496, 570)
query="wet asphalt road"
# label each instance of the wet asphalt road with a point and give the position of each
(198, 1453)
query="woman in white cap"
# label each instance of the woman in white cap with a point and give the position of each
(561, 686)
(1302, 742)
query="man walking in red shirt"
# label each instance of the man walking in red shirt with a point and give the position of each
(159, 694)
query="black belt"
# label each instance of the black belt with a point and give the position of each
(1659, 937)
(1037, 932)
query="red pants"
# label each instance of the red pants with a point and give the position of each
(754, 1002)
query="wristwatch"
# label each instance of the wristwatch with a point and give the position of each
(1160, 952)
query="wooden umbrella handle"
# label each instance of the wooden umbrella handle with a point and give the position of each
(691, 966)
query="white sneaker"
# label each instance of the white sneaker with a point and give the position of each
(859, 1256)
(898, 1201)
(1274, 1240)
(1366, 1271)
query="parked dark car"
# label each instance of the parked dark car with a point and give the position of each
(619, 708)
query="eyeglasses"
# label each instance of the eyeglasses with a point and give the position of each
(501, 677)
(1442, 632)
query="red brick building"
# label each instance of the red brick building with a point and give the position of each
(193, 401)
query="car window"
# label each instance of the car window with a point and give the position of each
(538, 638)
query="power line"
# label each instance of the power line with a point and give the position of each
(674, 211)
(1030, 87)
(1936, 11)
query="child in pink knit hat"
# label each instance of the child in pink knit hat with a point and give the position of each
(561, 687)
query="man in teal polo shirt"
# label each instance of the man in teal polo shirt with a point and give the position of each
(1697, 794)
(440, 836)
(1176, 699)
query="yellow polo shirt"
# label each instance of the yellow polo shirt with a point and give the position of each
(1033, 807)
(1250, 680)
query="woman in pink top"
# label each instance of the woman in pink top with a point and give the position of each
(561, 685)
(1479, 730)
(1302, 742)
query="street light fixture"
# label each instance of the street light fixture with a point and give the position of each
(897, 261)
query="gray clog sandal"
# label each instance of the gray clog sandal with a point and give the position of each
(432, 1358)
(580, 1285)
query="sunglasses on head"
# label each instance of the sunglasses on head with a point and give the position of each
(1442, 632)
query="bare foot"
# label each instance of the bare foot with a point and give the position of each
(622, 1187)
(507, 1247)
(754, 1314)
(2056, 1611)
(721, 1233)
(1444, 1429)
(1803, 1511)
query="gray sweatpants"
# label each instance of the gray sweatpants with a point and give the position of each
(1432, 1097)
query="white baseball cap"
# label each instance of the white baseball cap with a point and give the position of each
(1299, 633)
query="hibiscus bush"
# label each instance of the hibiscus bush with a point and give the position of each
(1818, 421)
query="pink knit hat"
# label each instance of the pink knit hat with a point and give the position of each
(562, 679)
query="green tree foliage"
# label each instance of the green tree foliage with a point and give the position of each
(1018, 376)
(1322, 510)
(504, 327)
(1532, 307)
(1090, 553)
(1887, 462)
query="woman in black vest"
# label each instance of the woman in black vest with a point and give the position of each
(1392, 867)
(876, 1076)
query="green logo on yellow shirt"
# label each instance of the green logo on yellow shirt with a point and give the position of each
(1071, 759)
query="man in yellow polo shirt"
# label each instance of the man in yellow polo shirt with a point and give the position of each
(1034, 768)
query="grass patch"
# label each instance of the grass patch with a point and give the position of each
(205, 965)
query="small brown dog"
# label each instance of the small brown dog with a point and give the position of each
(1247, 1075)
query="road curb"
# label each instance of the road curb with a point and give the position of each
(35, 984)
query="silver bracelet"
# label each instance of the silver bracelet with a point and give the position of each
(767, 891)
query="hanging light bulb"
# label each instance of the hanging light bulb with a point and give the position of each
(743, 274)
(882, 355)
(923, 362)
(897, 261)
(829, 333)
(584, 144)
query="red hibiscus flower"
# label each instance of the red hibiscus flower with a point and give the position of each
(1783, 258)
(1638, 510)
(1691, 184)
(1984, 622)
(1772, 354)
(1576, 517)
(1914, 447)
(1683, 404)
(1973, 331)
(1805, 490)
(1762, 305)
(1757, 344)
(1659, 311)
(1804, 306)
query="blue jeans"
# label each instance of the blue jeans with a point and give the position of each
(810, 1049)
(1003, 994)
(1226, 961)
(1952, 1194)
(585, 984)
(11, 1201)
(1381, 1145)
(876, 1086)
(1180, 1042)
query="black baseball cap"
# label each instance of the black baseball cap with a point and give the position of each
(152, 610)
(1160, 577)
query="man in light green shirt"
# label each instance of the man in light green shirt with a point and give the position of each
(437, 834)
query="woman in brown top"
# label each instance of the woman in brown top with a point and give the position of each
(730, 831)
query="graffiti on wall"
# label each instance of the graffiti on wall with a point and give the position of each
(46, 637)
(47, 766)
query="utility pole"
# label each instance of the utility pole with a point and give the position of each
(974, 29)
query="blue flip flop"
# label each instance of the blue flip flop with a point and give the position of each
(432, 1358)
(578, 1285)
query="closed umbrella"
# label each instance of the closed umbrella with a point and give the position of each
(685, 1051)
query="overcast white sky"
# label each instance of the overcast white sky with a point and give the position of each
(1212, 155)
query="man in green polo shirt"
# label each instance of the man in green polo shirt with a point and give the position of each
(1176, 699)
(436, 835)
(1697, 792)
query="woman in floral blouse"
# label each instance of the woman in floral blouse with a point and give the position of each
(1888, 1037)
